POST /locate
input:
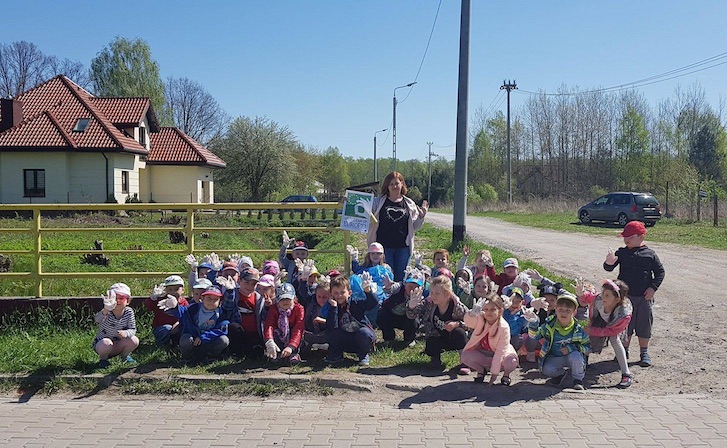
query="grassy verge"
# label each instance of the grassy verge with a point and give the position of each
(702, 234)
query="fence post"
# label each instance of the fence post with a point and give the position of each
(37, 266)
(190, 230)
(716, 214)
(346, 255)
(667, 215)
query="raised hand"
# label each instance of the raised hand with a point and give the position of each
(534, 274)
(109, 301)
(352, 251)
(464, 285)
(418, 258)
(367, 282)
(466, 251)
(225, 282)
(530, 315)
(415, 297)
(387, 283)
(271, 349)
(611, 257)
(281, 277)
(215, 261)
(299, 264)
(168, 303)
(425, 206)
(365, 204)
(191, 261)
(488, 261)
(493, 287)
(305, 269)
(158, 291)
(539, 304)
(579, 286)
(477, 307)
(286, 240)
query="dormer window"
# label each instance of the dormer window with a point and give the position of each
(81, 124)
(142, 136)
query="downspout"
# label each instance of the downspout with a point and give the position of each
(107, 176)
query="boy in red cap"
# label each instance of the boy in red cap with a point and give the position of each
(643, 272)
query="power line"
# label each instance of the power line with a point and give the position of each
(689, 69)
(425, 50)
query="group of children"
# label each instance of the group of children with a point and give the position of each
(289, 309)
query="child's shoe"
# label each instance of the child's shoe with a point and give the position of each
(480, 378)
(505, 381)
(530, 357)
(645, 360)
(102, 364)
(412, 343)
(556, 380)
(627, 380)
(365, 361)
(464, 370)
(578, 385)
(130, 360)
(295, 360)
(333, 360)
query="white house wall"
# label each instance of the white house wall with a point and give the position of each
(179, 183)
(12, 165)
(130, 163)
(87, 177)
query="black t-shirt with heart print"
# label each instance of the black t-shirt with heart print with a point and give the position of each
(393, 224)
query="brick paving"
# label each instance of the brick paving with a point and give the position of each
(330, 422)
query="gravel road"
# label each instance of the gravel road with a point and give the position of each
(689, 340)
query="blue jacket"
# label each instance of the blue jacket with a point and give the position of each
(187, 316)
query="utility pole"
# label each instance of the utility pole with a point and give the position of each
(376, 163)
(429, 168)
(460, 164)
(508, 85)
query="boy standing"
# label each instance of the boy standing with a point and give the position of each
(643, 272)
(565, 343)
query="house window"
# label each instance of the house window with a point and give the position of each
(34, 182)
(81, 124)
(125, 182)
(142, 136)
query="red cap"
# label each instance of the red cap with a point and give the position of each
(633, 228)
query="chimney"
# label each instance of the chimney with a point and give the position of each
(11, 113)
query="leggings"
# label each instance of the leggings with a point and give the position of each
(618, 348)
(480, 361)
(107, 348)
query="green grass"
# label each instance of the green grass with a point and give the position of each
(702, 234)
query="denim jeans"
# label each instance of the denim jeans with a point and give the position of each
(360, 342)
(211, 349)
(555, 365)
(398, 259)
(163, 335)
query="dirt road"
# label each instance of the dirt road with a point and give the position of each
(689, 340)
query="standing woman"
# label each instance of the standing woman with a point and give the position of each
(398, 218)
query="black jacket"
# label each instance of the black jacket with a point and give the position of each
(640, 269)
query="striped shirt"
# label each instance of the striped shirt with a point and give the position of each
(109, 325)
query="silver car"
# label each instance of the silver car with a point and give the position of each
(622, 207)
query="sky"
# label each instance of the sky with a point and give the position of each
(327, 69)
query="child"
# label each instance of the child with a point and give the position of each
(271, 267)
(642, 270)
(347, 327)
(463, 286)
(266, 288)
(316, 312)
(480, 290)
(511, 269)
(524, 282)
(513, 315)
(204, 334)
(246, 309)
(166, 327)
(483, 262)
(284, 327)
(442, 317)
(565, 344)
(116, 326)
(200, 269)
(581, 314)
(610, 315)
(287, 262)
(374, 264)
(393, 310)
(199, 286)
(489, 346)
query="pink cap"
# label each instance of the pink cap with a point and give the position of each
(266, 280)
(376, 247)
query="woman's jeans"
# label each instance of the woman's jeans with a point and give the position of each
(398, 259)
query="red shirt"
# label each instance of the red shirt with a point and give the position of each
(249, 320)
(295, 323)
(160, 317)
(485, 344)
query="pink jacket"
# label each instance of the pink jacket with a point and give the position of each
(622, 316)
(499, 335)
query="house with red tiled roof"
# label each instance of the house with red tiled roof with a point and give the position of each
(61, 144)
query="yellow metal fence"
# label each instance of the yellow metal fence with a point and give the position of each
(36, 230)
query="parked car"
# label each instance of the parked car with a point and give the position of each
(300, 198)
(622, 207)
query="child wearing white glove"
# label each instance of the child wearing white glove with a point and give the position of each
(392, 314)
(375, 265)
(165, 327)
(284, 327)
(489, 347)
(116, 322)
(288, 261)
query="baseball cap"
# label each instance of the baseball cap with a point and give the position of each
(300, 245)
(250, 274)
(445, 272)
(376, 248)
(121, 289)
(205, 265)
(633, 228)
(245, 261)
(212, 291)
(284, 291)
(271, 267)
(334, 273)
(569, 297)
(511, 262)
(230, 265)
(414, 276)
(267, 280)
(548, 289)
(202, 283)
(516, 290)
(173, 280)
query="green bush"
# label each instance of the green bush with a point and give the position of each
(487, 193)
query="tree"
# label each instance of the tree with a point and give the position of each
(258, 152)
(194, 110)
(125, 68)
(333, 173)
(23, 66)
(707, 148)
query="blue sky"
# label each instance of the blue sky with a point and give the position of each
(327, 69)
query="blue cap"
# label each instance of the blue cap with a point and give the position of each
(284, 291)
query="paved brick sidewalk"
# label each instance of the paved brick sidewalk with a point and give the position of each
(620, 422)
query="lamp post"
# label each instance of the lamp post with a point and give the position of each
(376, 164)
(393, 130)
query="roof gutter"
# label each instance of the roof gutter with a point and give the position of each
(107, 175)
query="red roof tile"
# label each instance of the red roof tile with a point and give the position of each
(126, 111)
(171, 146)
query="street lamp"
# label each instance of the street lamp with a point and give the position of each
(376, 165)
(393, 131)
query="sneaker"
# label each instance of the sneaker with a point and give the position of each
(480, 378)
(102, 364)
(578, 385)
(412, 343)
(645, 360)
(556, 380)
(464, 370)
(626, 380)
(333, 360)
(315, 347)
(505, 381)
(365, 361)
(130, 360)
(530, 357)
(294, 360)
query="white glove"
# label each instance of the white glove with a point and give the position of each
(493, 287)
(225, 282)
(530, 316)
(158, 291)
(306, 269)
(235, 258)
(286, 240)
(192, 261)
(109, 301)
(418, 258)
(206, 259)
(281, 277)
(299, 265)
(415, 297)
(534, 274)
(366, 204)
(579, 286)
(477, 307)
(539, 304)
(611, 257)
(271, 349)
(367, 283)
(506, 301)
(168, 303)
(215, 261)
(387, 283)
(352, 251)
(464, 285)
